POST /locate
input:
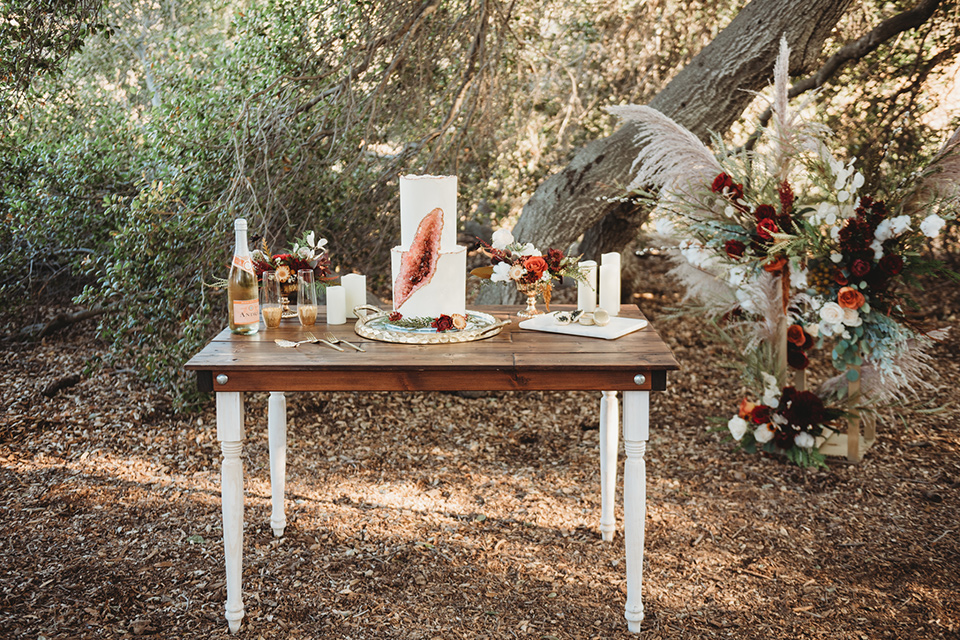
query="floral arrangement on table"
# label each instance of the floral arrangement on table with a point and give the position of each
(531, 271)
(306, 252)
(778, 243)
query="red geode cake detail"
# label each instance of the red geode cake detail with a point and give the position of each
(419, 262)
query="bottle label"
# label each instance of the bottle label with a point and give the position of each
(246, 311)
(243, 263)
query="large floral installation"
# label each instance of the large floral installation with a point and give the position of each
(779, 242)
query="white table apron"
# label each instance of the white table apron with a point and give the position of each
(636, 432)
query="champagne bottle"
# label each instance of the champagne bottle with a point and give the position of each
(242, 295)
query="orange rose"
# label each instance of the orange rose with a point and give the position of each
(795, 335)
(775, 265)
(535, 264)
(850, 298)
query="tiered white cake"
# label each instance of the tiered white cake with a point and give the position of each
(429, 267)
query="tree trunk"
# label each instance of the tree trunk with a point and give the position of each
(709, 94)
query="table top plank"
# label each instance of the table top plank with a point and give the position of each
(514, 359)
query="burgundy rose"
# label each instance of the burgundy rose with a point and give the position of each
(765, 211)
(840, 279)
(760, 414)
(796, 358)
(734, 248)
(860, 268)
(442, 323)
(891, 264)
(721, 182)
(765, 228)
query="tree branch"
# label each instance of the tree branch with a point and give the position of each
(852, 51)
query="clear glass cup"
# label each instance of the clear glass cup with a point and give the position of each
(270, 299)
(306, 297)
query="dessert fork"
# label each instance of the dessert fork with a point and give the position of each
(335, 340)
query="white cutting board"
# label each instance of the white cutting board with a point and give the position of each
(616, 328)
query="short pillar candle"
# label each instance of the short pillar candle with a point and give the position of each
(587, 288)
(610, 283)
(336, 305)
(355, 292)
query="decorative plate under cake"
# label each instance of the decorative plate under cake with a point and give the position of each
(375, 324)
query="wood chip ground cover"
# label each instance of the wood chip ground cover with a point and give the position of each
(429, 516)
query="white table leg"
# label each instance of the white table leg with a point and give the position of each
(230, 435)
(636, 432)
(277, 436)
(609, 442)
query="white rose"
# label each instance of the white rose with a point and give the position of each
(529, 250)
(763, 434)
(804, 440)
(931, 225)
(501, 272)
(812, 329)
(738, 427)
(502, 238)
(851, 318)
(831, 313)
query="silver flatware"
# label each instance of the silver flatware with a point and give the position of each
(335, 340)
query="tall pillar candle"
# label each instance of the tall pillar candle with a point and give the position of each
(336, 305)
(610, 283)
(355, 291)
(587, 288)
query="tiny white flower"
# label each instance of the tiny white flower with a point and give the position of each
(813, 329)
(803, 439)
(851, 318)
(845, 335)
(843, 195)
(501, 272)
(529, 250)
(309, 239)
(831, 218)
(932, 225)
(305, 253)
(778, 419)
(502, 238)
(730, 212)
(737, 426)
(831, 313)
(768, 379)
(836, 257)
(858, 180)
(883, 231)
(763, 434)
(877, 247)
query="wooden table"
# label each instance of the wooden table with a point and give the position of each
(514, 360)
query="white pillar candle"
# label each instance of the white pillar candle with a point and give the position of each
(587, 288)
(336, 305)
(610, 283)
(355, 291)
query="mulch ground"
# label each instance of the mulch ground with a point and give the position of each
(425, 516)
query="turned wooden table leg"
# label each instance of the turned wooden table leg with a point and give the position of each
(277, 436)
(636, 432)
(230, 435)
(609, 442)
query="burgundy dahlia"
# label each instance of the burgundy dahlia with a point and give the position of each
(734, 248)
(891, 264)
